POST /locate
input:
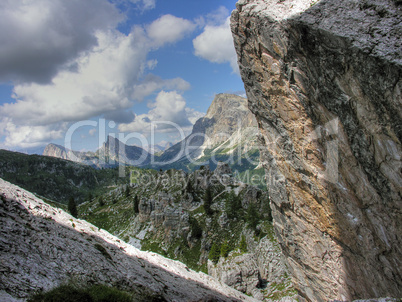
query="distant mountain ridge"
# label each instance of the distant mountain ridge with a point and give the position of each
(228, 132)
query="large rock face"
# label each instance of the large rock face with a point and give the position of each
(324, 81)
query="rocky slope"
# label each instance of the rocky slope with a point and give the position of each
(42, 247)
(259, 272)
(323, 79)
(88, 158)
(167, 212)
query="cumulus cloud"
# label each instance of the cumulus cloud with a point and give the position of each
(168, 107)
(215, 43)
(169, 29)
(106, 79)
(41, 37)
(153, 83)
(30, 136)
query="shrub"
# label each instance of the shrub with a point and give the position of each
(71, 293)
(72, 207)
(101, 201)
(136, 203)
(243, 244)
(196, 230)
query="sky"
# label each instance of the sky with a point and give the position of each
(72, 72)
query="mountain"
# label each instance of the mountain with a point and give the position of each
(323, 79)
(169, 212)
(43, 247)
(105, 157)
(115, 152)
(158, 148)
(227, 133)
(57, 179)
(87, 158)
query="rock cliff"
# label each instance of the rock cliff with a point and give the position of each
(323, 79)
(42, 247)
(259, 273)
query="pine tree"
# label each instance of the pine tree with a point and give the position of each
(72, 207)
(101, 201)
(208, 201)
(233, 205)
(243, 244)
(196, 230)
(214, 253)
(252, 216)
(225, 249)
(136, 204)
(127, 192)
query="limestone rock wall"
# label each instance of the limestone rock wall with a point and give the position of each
(259, 273)
(323, 79)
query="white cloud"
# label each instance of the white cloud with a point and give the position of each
(169, 29)
(153, 83)
(41, 37)
(145, 4)
(168, 106)
(30, 136)
(105, 80)
(215, 44)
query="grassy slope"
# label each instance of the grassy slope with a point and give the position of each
(56, 179)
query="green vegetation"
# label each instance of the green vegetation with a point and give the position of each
(72, 207)
(243, 244)
(136, 203)
(233, 206)
(225, 249)
(208, 201)
(176, 223)
(214, 253)
(93, 293)
(196, 230)
(252, 216)
(57, 179)
(70, 293)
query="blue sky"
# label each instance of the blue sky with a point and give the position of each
(67, 68)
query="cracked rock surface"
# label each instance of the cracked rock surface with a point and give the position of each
(323, 79)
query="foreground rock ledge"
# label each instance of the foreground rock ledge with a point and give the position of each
(323, 79)
(42, 247)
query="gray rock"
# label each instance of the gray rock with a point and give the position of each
(42, 247)
(323, 79)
